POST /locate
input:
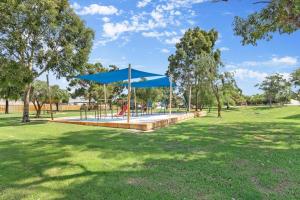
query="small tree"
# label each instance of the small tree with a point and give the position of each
(12, 81)
(39, 96)
(59, 96)
(276, 88)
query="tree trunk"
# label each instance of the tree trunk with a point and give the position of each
(227, 106)
(6, 106)
(197, 105)
(190, 97)
(217, 95)
(219, 106)
(38, 112)
(57, 105)
(26, 118)
(270, 102)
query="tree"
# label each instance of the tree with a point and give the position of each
(39, 96)
(182, 66)
(12, 81)
(232, 94)
(43, 36)
(296, 81)
(276, 88)
(59, 96)
(282, 16)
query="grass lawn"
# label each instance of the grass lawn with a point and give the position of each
(251, 153)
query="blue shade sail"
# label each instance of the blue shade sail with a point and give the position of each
(116, 76)
(155, 83)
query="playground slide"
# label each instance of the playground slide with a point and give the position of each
(123, 111)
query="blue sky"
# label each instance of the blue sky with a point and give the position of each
(144, 33)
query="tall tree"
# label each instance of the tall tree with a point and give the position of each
(193, 44)
(296, 81)
(276, 88)
(44, 35)
(282, 16)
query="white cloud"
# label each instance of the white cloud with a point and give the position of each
(242, 74)
(285, 61)
(165, 14)
(94, 9)
(173, 40)
(165, 51)
(227, 13)
(105, 19)
(153, 34)
(75, 6)
(143, 3)
(224, 49)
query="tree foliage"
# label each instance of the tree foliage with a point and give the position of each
(12, 81)
(41, 93)
(184, 64)
(282, 16)
(276, 88)
(44, 35)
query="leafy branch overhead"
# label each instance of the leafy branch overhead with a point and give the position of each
(282, 16)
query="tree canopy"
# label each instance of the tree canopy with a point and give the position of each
(276, 88)
(43, 36)
(282, 16)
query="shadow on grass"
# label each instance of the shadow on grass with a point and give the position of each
(297, 116)
(191, 160)
(16, 121)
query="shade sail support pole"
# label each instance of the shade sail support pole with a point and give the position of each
(105, 100)
(170, 101)
(129, 93)
(135, 104)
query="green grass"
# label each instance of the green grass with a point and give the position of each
(251, 153)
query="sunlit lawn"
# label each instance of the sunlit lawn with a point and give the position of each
(251, 153)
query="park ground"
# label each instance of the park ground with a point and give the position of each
(249, 153)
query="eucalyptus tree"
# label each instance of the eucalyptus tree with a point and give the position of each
(276, 88)
(231, 92)
(41, 36)
(194, 44)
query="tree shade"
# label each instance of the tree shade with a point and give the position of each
(116, 76)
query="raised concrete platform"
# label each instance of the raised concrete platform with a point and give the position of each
(144, 123)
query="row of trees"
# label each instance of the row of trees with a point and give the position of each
(46, 35)
(196, 66)
(277, 89)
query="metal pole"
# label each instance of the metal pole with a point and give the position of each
(136, 114)
(105, 100)
(170, 101)
(50, 100)
(129, 93)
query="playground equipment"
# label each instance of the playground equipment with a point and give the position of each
(130, 107)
